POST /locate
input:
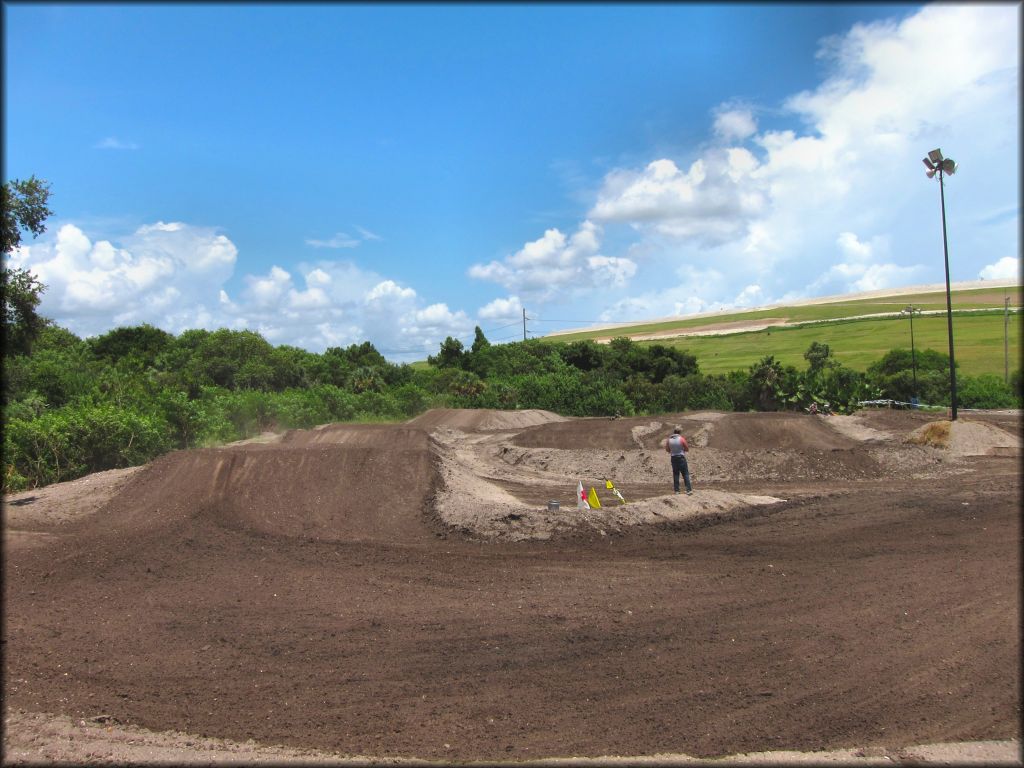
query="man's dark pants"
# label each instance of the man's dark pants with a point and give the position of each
(679, 465)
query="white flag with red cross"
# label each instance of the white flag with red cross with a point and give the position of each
(581, 496)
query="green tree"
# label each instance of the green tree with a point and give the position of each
(479, 341)
(767, 383)
(841, 388)
(139, 345)
(695, 392)
(24, 208)
(623, 358)
(332, 367)
(21, 322)
(893, 376)
(587, 355)
(450, 355)
(366, 378)
(465, 386)
(665, 361)
(293, 367)
(52, 336)
(765, 378)
(364, 354)
(985, 391)
(645, 396)
(232, 359)
(817, 357)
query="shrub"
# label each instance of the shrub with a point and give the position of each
(377, 406)
(984, 391)
(246, 411)
(58, 375)
(695, 392)
(411, 400)
(341, 405)
(73, 441)
(1017, 387)
(840, 387)
(297, 409)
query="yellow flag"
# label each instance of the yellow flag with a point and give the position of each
(592, 500)
(608, 485)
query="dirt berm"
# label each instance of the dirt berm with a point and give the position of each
(355, 482)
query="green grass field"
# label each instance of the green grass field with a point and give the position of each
(977, 343)
(978, 337)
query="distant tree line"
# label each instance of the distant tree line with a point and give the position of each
(72, 406)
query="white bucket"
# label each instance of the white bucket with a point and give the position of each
(552, 506)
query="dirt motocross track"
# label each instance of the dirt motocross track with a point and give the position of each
(402, 591)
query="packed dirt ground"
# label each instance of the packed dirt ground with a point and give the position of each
(841, 588)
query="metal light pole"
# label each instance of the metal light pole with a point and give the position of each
(1006, 340)
(937, 164)
(910, 309)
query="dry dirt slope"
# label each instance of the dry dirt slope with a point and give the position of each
(348, 589)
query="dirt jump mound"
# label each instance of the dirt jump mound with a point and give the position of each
(603, 433)
(776, 431)
(966, 438)
(338, 483)
(481, 419)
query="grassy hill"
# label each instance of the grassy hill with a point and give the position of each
(859, 330)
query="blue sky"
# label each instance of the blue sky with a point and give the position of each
(328, 174)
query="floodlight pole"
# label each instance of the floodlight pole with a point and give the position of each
(913, 352)
(949, 302)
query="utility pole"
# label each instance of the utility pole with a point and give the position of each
(910, 310)
(1006, 340)
(524, 323)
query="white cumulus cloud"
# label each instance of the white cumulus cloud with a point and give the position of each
(734, 124)
(1006, 268)
(173, 275)
(555, 265)
(713, 201)
(510, 308)
(88, 280)
(862, 268)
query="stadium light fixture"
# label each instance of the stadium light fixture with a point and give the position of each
(937, 164)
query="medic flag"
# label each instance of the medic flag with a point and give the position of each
(581, 496)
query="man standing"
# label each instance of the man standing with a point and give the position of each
(677, 449)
